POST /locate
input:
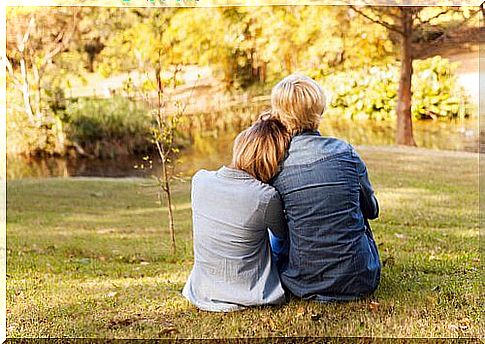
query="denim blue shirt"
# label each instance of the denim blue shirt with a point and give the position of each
(328, 199)
(233, 267)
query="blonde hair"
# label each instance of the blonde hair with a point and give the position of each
(298, 101)
(259, 149)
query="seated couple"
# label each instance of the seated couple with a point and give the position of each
(290, 214)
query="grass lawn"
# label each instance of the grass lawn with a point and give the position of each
(90, 258)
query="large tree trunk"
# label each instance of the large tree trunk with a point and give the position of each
(404, 128)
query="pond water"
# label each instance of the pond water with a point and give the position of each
(211, 150)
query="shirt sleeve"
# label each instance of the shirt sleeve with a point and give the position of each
(368, 201)
(274, 217)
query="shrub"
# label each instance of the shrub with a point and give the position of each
(372, 92)
(39, 137)
(108, 127)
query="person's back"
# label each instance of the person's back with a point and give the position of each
(233, 208)
(328, 199)
(232, 260)
(332, 255)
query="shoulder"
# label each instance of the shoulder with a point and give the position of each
(307, 149)
(257, 191)
(264, 190)
(319, 141)
(337, 144)
(202, 175)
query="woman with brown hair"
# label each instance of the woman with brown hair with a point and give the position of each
(233, 208)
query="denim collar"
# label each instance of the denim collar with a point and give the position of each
(309, 132)
(233, 173)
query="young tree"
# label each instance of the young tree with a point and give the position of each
(152, 46)
(418, 30)
(167, 115)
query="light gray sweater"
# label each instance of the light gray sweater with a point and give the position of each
(232, 212)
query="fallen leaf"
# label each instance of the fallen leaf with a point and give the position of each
(374, 306)
(168, 331)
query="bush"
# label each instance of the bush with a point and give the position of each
(108, 127)
(36, 137)
(372, 92)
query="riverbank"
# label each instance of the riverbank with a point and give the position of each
(211, 149)
(90, 258)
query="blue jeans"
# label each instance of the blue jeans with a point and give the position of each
(279, 250)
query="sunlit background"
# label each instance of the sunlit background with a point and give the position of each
(80, 83)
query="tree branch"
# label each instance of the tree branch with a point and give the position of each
(23, 39)
(450, 30)
(388, 12)
(380, 22)
(16, 81)
(427, 21)
(63, 40)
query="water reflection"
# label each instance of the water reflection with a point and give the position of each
(211, 150)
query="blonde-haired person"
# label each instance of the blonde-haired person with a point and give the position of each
(299, 102)
(330, 254)
(233, 208)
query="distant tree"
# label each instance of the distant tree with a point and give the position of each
(418, 30)
(35, 37)
(98, 25)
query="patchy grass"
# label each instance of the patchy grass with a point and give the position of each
(90, 258)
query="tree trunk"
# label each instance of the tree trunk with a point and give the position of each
(404, 127)
(26, 90)
(60, 145)
(164, 155)
(38, 83)
(91, 57)
(171, 227)
(165, 186)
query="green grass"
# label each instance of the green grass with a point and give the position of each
(90, 258)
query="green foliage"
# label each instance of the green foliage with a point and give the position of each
(23, 137)
(372, 92)
(245, 46)
(108, 127)
(436, 93)
(26, 137)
